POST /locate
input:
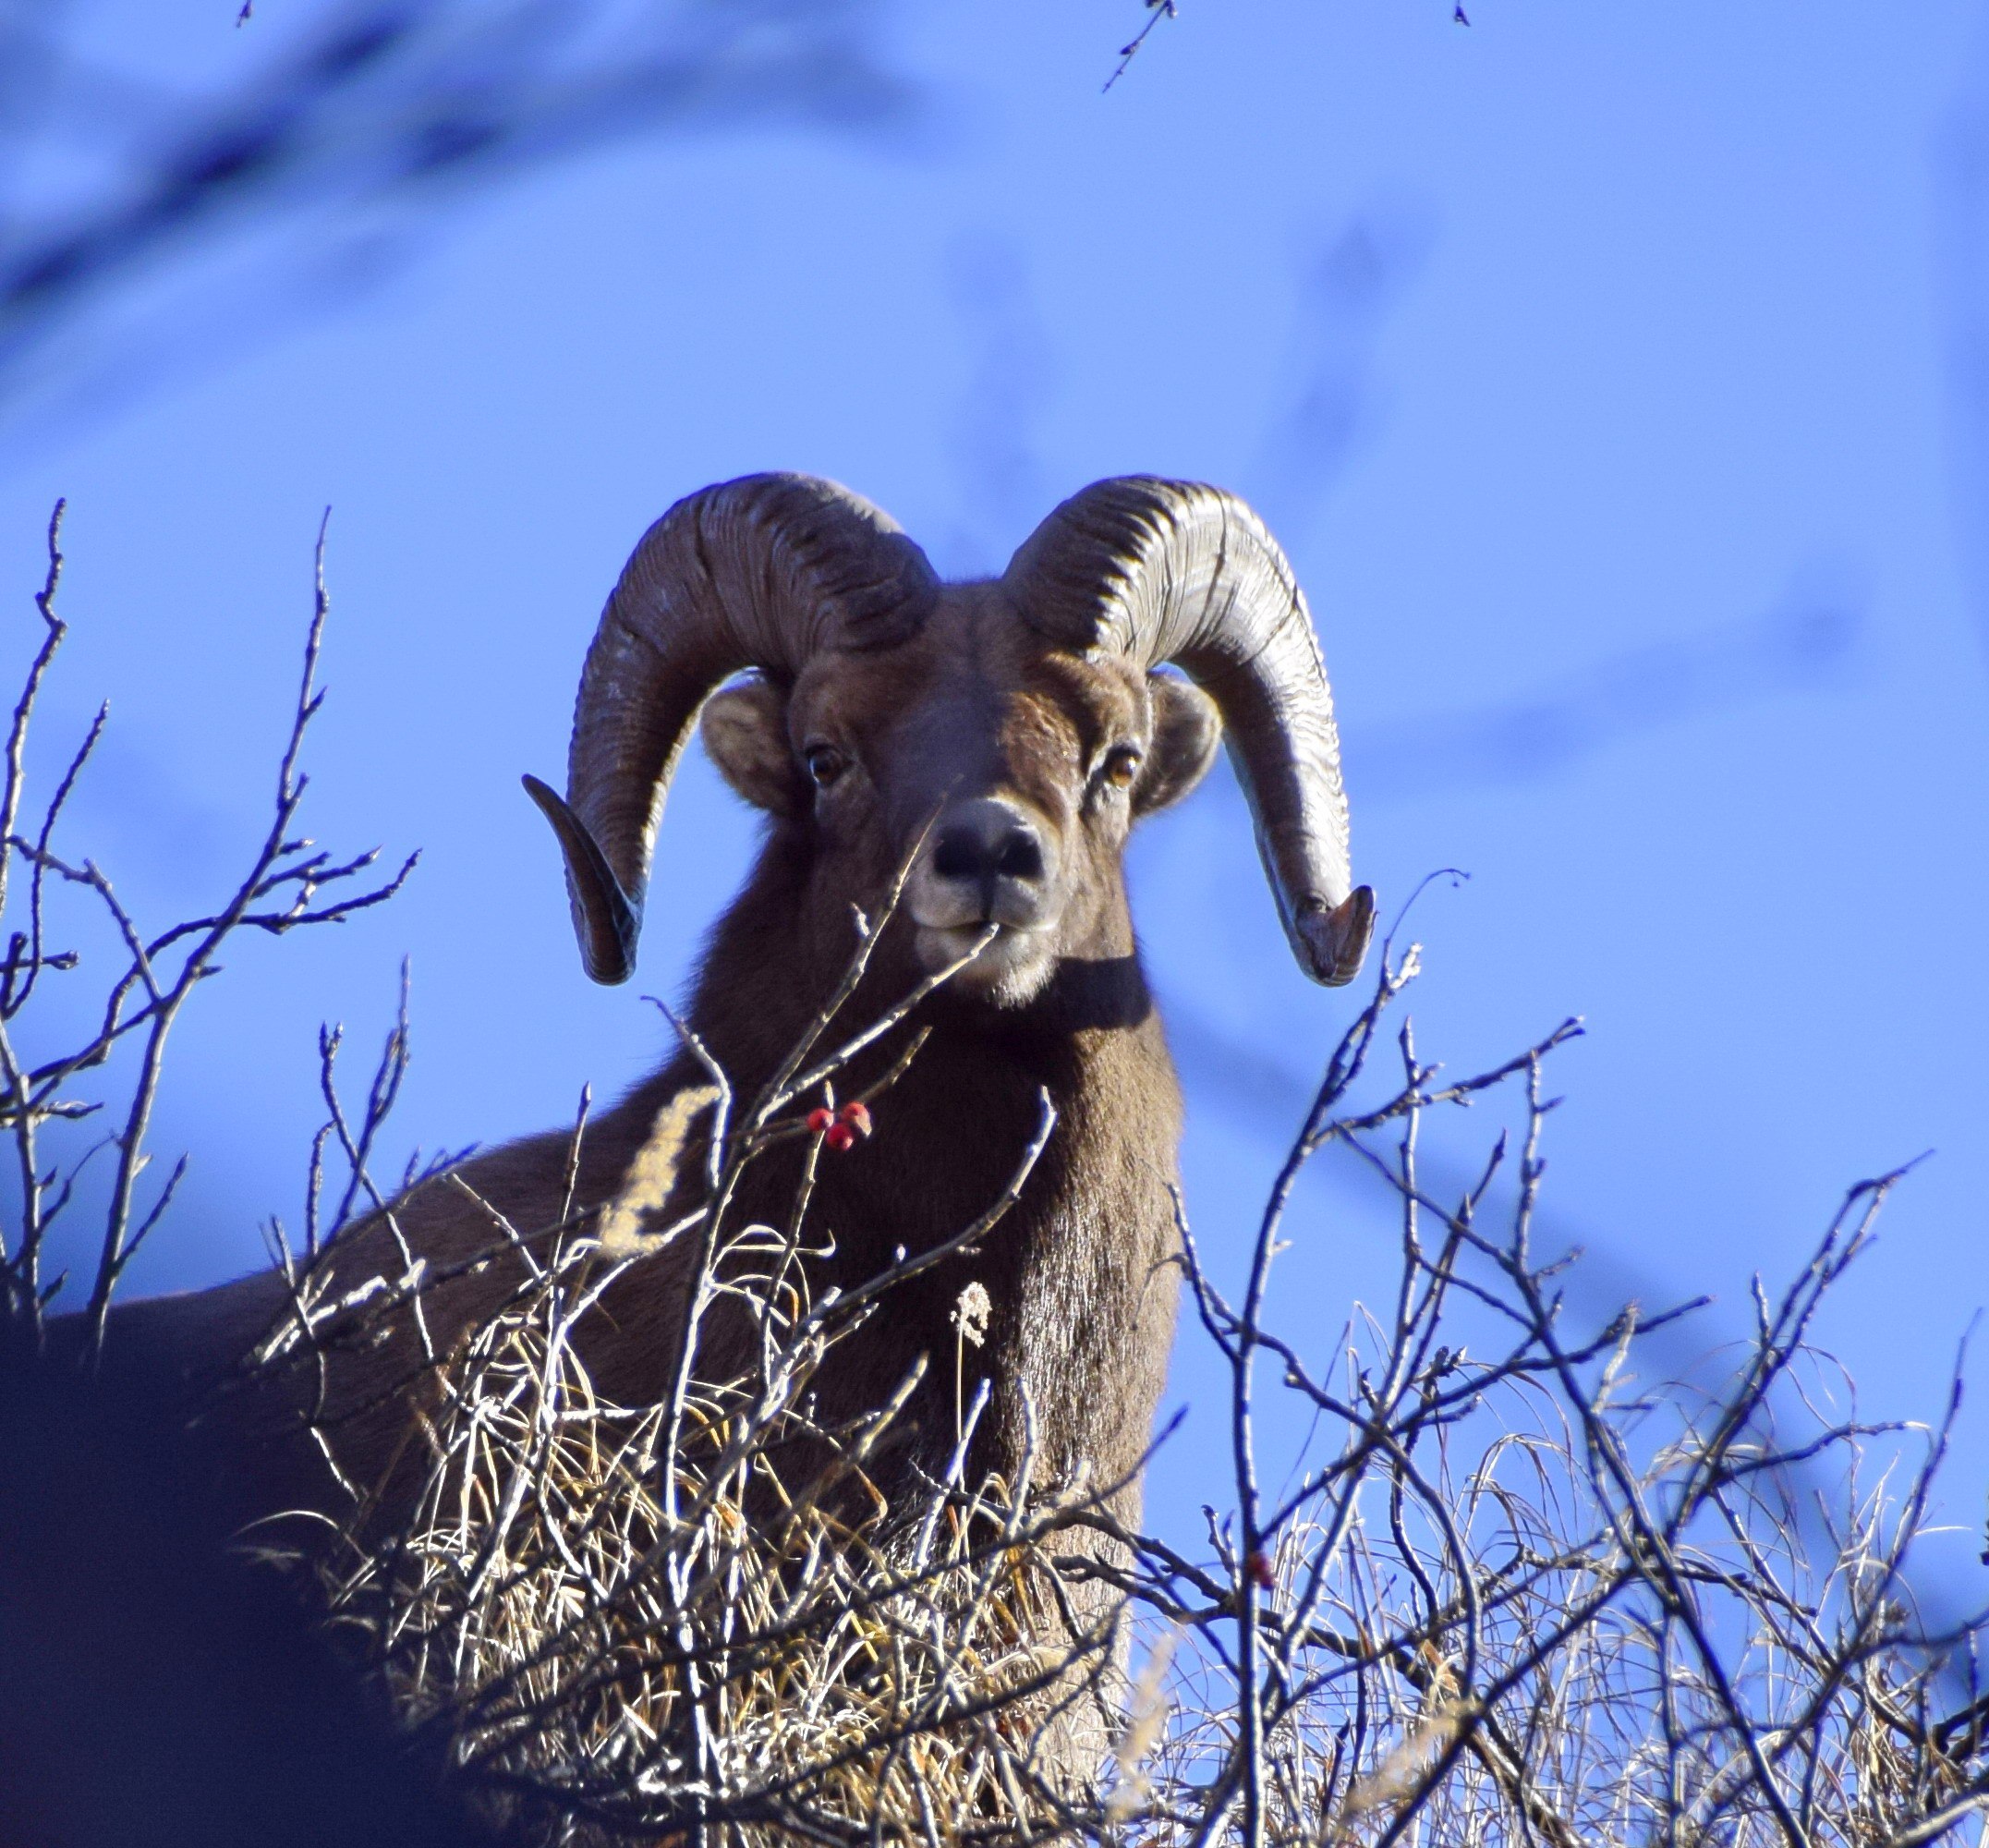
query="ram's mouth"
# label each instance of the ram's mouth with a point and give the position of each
(1009, 968)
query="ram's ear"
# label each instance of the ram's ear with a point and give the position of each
(744, 728)
(1186, 730)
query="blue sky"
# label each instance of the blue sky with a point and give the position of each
(1597, 364)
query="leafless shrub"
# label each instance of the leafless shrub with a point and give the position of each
(772, 1652)
(290, 882)
(1530, 1595)
(1520, 1587)
(1525, 1595)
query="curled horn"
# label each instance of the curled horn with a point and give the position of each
(1172, 571)
(763, 572)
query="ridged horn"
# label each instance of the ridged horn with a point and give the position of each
(1172, 571)
(763, 572)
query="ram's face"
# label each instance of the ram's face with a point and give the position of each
(995, 742)
(1006, 773)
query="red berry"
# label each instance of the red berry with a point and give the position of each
(842, 1137)
(820, 1121)
(857, 1116)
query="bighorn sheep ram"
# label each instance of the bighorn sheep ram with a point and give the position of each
(1003, 737)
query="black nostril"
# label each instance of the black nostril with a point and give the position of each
(969, 852)
(1020, 856)
(959, 855)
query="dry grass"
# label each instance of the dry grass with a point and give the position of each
(785, 1657)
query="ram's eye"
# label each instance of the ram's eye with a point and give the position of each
(1122, 766)
(825, 763)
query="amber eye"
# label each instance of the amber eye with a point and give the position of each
(825, 763)
(1122, 766)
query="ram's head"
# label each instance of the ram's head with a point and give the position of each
(1010, 731)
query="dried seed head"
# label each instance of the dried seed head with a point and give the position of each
(971, 1313)
(654, 1172)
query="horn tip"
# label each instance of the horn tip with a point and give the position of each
(616, 970)
(1334, 942)
(605, 920)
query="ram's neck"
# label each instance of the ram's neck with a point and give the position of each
(1077, 1272)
